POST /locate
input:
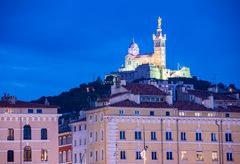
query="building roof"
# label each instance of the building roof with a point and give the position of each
(22, 104)
(191, 106)
(128, 103)
(144, 89)
(205, 94)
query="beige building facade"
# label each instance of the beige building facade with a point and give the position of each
(28, 132)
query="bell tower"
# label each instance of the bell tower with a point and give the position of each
(160, 46)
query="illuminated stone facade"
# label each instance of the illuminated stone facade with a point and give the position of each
(136, 64)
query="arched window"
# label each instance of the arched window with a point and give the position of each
(27, 153)
(27, 132)
(43, 134)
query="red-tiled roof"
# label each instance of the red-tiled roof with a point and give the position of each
(128, 103)
(112, 96)
(186, 105)
(205, 94)
(22, 104)
(144, 89)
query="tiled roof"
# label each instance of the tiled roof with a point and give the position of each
(205, 94)
(144, 89)
(186, 105)
(128, 103)
(22, 104)
(235, 109)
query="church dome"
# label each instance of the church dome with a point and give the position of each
(133, 48)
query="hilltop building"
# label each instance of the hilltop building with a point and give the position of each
(150, 65)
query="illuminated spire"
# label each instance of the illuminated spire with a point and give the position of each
(159, 22)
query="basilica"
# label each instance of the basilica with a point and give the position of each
(150, 65)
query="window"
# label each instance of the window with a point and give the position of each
(30, 110)
(10, 134)
(122, 155)
(169, 155)
(211, 114)
(154, 155)
(181, 114)
(213, 137)
(75, 157)
(151, 113)
(138, 155)
(197, 114)
(96, 136)
(80, 141)
(44, 155)
(153, 136)
(138, 135)
(101, 116)
(122, 135)
(121, 112)
(167, 113)
(43, 134)
(27, 153)
(227, 115)
(96, 156)
(75, 142)
(168, 135)
(136, 112)
(79, 127)
(199, 156)
(183, 136)
(39, 110)
(102, 155)
(95, 117)
(229, 156)
(27, 132)
(10, 156)
(214, 156)
(228, 137)
(80, 157)
(90, 134)
(102, 135)
(183, 155)
(198, 136)
(85, 127)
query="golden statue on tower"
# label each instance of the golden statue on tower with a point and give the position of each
(159, 22)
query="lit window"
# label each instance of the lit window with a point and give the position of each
(122, 155)
(44, 155)
(10, 134)
(197, 114)
(184, 155)
(211, 114)
(214, 156)
(27, 153)
(199, 156)
(181, 114)
(10, 156)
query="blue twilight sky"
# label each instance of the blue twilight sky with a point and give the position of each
(47, 47)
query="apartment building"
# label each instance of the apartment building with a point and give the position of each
(28, 132)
